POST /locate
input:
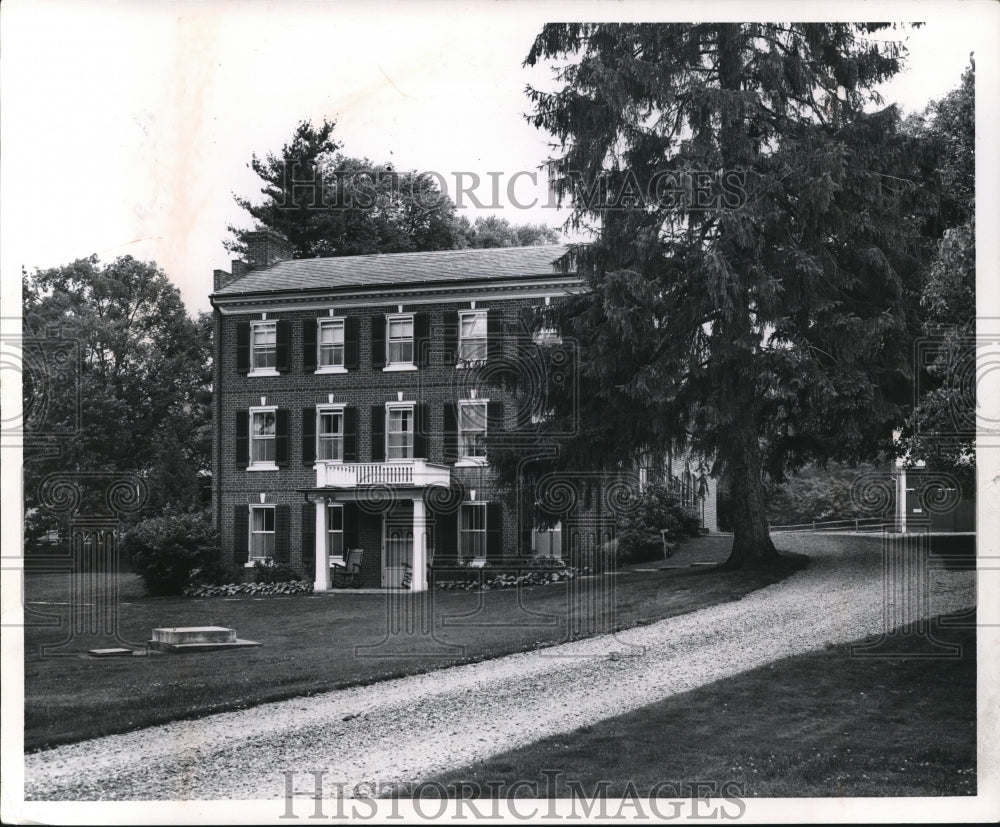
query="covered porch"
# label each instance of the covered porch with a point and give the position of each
(387, 500)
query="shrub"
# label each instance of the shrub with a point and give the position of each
(650, 511)
(166, 550)
(275, 573)
(212, 573)
(588, 558)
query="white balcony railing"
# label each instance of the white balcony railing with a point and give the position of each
(412, 473)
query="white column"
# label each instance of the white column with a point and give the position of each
(322, 583)
(418, 583)
(901, 501)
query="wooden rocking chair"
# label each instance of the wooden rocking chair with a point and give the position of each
(348, 573)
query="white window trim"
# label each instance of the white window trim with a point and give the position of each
(465, 364)
(261, 466)
(471, 462)
(328, 408)
(547, 336)
(321, 369)
(396, 366)
(251, 560)
(334, 558)
(254, 371)
(556, 528)
(401, 406)
(481, 504)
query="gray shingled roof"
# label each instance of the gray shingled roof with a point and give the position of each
(400, 268)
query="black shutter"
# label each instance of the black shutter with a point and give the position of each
(378, 433)
(281, 437)
(350, 435)
(450, 432)
(494, 530)
(450, 337)
(494, 336)
(421, 421)
(308, 436)
(351, 358)
(281, 532)
(351, 536)
(494, 418)
(421, 340)
(309, 361)
(445, 537)
(241, 534)
(243, 347)
(284, 337)
(378, 340)
(309, 538)
(243, 437)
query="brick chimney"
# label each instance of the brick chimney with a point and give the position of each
(220, 278)
(266, 248)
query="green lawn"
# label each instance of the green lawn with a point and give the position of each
(821, 724)
(309, 642)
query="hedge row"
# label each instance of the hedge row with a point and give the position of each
(291, 587)
(508, 581)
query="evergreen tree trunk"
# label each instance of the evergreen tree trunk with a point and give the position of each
(752, 546)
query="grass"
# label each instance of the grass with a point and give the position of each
(309, 641)
(822, 724)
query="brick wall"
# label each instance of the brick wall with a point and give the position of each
(433, 385)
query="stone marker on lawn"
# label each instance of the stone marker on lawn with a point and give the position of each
(196, 639)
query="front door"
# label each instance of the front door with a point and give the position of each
(397, 544)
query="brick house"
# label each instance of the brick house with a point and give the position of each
(353, 397)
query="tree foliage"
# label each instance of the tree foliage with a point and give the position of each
(491, 231)
(327, 203)
(132, 396)
(761, 308)
(942, 429)
(166, 550)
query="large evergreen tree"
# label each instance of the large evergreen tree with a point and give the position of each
(327, 203)
(760, 232)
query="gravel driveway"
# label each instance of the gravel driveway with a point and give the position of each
(412, 728)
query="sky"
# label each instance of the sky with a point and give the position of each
(127, 127)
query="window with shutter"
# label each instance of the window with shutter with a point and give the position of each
(263, 349)
(399, 342)
(472, 431)
(263, 438)
(330, 433)
(472, 338)
(331, 352)
(399, 432)
(262, 533)
(472, 531)
(335, 531)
